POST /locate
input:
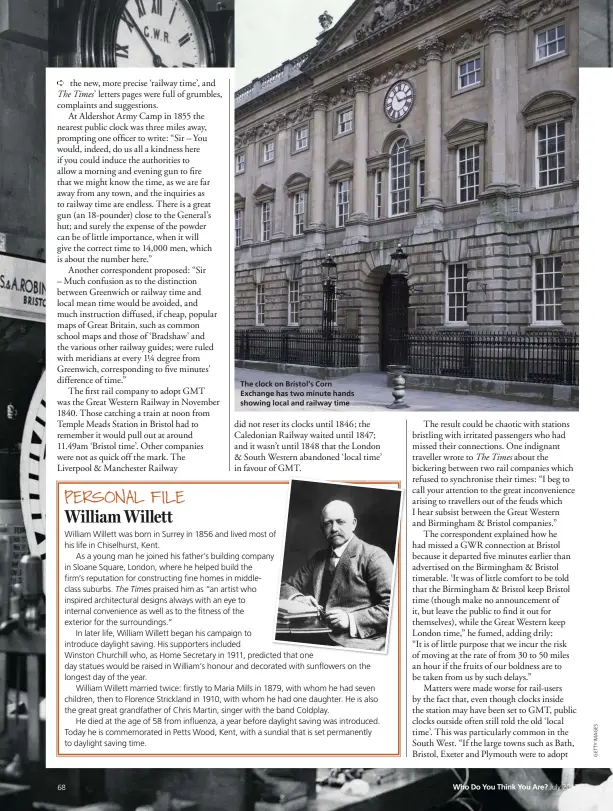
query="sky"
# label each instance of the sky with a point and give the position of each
(270, 31)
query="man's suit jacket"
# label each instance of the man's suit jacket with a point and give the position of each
(361, 586)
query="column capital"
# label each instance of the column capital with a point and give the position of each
(432, 48)
(319, 101)
(360, 82)
(499, 20)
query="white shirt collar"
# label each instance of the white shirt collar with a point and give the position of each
(337, 551)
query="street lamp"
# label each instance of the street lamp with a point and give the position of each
(329, 280)
(397, 323)
(399, 260)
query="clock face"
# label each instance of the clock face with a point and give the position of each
(32, 472)
(160, 34)
(399, 100)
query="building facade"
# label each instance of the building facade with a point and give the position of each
(449, 127)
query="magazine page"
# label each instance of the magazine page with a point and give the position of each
(297, 507)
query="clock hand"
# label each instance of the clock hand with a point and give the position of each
(157, 61)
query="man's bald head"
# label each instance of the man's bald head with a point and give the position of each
(338, 522)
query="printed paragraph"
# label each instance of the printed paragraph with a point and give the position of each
(491, 578)
(141, 230)
(168, 621)
(287, 446)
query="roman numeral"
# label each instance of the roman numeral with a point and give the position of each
(174, 8)
(188, 65)
(121, 50)
(156, 7)
(126, 17)
(185, 39)
(140, 6)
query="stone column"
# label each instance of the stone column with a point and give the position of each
(431, 211)
(317, 202)
(360, 82)
(496, 21)
(494, 203)
(250, 187)
(280, 206)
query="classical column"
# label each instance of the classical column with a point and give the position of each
(432, 207)
(318, 163)
(497, 21)
(250, 187)
(280, 208)
(360, 82)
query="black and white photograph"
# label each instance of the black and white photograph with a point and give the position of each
(139, 34)
(406, 203)
(338, 573)
(23, 60)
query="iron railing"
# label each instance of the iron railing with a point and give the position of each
(334, 348)
(543, 356)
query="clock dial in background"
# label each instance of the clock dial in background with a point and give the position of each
(159, 33)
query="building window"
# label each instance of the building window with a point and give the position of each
(299, 212)
(399, 177)
(469, 73)
(268, 151)
(457, 276)
(550, 153)
(293, 303)
(550, 42)
(301, 138)
(547, 289)
(344, 121)
(260, 305)
(378, 194)
(239, 165)
(238, 227)
(468, 173)
(343, 192)
(265, 219)
(421, 180)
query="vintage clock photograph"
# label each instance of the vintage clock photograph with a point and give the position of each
(142, 33)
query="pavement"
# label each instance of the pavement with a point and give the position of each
(264, 391)
(594, 36)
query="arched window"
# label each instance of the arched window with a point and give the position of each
(399, 177)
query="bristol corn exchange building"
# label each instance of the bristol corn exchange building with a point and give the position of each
(407, 193)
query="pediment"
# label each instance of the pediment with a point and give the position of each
(239, 200)
(263, 193)
(551, 104)
(340, 166)
(365, 21)
(466, 130)
(296, 183)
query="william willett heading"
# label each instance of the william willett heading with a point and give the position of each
(130, 516)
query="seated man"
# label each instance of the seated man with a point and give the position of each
(349, 582)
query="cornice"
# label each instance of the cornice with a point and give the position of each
(499, 17)
(279, 122)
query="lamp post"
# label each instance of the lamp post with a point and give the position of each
(329, 279)
(397, 315)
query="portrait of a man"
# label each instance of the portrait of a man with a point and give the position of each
(339, 593)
